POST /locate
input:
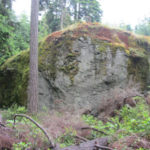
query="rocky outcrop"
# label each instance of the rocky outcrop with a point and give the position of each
(78, 67)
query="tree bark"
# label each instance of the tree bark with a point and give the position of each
(33, 74)
(63, 4)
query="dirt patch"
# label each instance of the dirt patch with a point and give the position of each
(131, 143)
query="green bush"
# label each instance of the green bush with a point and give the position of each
(14, 35)
(21, 146)
(67, 138)
(14, 109)
(128, 121)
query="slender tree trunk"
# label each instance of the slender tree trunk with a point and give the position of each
(33, 75)
(75, 11)
(78, 14)
(63, 7)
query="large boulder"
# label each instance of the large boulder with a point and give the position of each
(78, 67)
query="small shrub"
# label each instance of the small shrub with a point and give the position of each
(67, 138)
(21, 146)
(116, 99)
(128, 121)
(14, 109)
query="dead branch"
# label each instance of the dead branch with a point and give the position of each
(81, 138)
(2, 125)
(38, 125)
(94, 129)
(1, 119)
(103, 147)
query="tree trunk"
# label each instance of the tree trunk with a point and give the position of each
(33, 75)
(78, 14)
(75, 11)
(63, 6)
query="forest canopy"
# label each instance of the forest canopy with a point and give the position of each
(14, 31)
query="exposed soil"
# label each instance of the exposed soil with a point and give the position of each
(131, 143)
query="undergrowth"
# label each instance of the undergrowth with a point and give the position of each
(14, 109)
(128, 121)
(28, 134)
(67, 138)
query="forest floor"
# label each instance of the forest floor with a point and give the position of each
(128, 129)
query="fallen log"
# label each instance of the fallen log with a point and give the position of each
(96, 144)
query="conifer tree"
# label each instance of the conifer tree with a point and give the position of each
(33, 76)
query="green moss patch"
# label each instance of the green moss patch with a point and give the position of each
(14, 79)
(49, 53)
(138, 68)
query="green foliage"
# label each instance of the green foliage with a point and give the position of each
(43, 28)
(144, 27)
(14, 33)
(48, 55)
(136, 120)
(5, 40)
(21, 35)
(13, 80)
(21, 146)
(32, 133)
(11, 111)
(90, 9)
(53, 15)
(126, 27)
(76, 11)
(67, 138)
(138, 66)
(128, 121)
(14, 36)
(5, 7)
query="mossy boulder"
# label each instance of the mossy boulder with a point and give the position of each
(14, 80)
(78, 65)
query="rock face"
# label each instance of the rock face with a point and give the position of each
(97, 73)
(78, 67)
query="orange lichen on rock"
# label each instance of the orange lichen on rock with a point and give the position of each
(94, 30)
(54, 35)
(126, 40)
